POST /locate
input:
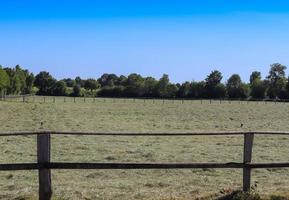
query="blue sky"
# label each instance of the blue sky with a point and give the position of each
(185, 39)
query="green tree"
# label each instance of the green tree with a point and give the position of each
(122, 80)
(15, 84)
(91, 84)
(172, 90)
(235, 87)
(76, 91)
(69, 82)
(214, 88)
(108, 80)
(150, 87)
(258, 89)
(44, 82)
(184, 90)
(161, 86)
(59, 89)
(287, 88)
(276, 80)
(4, 81)
(79, 81)
(197, 89)
(135, 86)
(22, 75)
(29, 82)
(255, 76)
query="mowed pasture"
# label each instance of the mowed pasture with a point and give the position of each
(120, 115)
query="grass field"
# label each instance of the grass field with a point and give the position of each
(138, 116)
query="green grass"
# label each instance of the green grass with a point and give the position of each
(138, 116)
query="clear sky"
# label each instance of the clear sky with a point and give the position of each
(185, 39)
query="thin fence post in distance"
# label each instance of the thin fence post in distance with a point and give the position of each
(248, 146)
(44, 175)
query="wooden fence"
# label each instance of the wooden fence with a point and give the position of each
(44, 165)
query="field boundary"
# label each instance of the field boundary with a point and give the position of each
(71, 99)
(44, 164)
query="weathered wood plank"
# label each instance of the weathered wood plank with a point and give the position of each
(248, 146)
(44, 175)
(64, 165)
(226, 133)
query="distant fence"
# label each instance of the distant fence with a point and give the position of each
(44, 165)
(56, 99)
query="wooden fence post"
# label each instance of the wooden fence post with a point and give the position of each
(248, 146)
(44, 175)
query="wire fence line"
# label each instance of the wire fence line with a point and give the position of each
(44, 164)
(58, 99)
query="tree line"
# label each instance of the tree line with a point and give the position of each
(275, 85)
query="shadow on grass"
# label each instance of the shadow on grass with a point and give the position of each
(239, 195)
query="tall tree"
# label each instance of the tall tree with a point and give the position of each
(214, 88)
(44, 82)
(255, 76)
(235, 87)
(59, 89)
(108, 80)
(161, 86)
(135, 86)
(79, 81)
(4, 81)
(91, 84)
(184, 90)
(150, 87)
(276, 80)
(197, 89)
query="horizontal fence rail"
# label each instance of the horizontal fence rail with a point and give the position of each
(136, 134)
(44, 165)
